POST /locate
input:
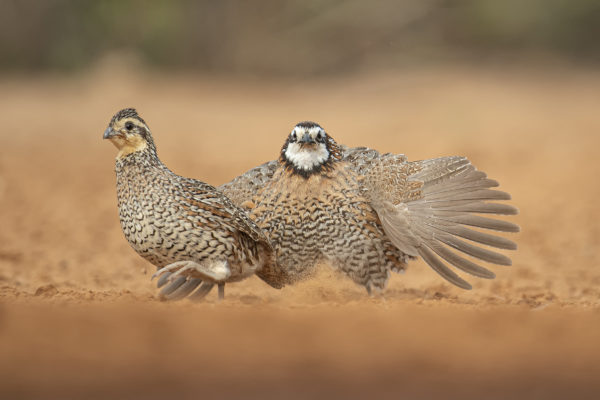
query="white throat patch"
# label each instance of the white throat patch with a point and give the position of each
(306, 158)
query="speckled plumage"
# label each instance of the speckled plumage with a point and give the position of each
(367, 213)
(171, 219)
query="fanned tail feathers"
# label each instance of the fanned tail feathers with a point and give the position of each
(433, 217)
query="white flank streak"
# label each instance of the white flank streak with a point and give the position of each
(221, 271)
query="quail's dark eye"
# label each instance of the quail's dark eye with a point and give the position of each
(293, 137)
(319, 137)
(129, 126)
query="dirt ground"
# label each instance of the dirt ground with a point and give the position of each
(78, 312)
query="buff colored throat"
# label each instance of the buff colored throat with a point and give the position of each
(127, 146)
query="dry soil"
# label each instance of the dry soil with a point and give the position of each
(79, 315)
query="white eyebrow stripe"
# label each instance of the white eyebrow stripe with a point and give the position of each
(312, 131)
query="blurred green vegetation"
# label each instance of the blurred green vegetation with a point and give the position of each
(292, 37)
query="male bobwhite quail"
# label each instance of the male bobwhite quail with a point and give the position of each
(367, 213)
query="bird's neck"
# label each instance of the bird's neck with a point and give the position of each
(138, 161)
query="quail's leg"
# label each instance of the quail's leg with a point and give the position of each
(221, 291)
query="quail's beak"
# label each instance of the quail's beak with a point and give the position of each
(108, 133)
(306, 139)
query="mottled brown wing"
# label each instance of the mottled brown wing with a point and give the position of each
(237, 218)
(426, 207)
(202, 196)
(244, 187)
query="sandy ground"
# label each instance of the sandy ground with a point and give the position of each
(78, 313)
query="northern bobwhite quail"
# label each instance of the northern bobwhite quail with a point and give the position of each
(367, 213)
(188, 229)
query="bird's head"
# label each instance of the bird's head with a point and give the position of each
(129, 133)
(309, 149)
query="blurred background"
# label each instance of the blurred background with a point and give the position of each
(512, 85)
(295, 37)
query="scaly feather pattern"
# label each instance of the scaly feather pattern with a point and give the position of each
(365, 202)
(188, 229)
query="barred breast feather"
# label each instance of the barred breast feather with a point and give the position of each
(438, 209)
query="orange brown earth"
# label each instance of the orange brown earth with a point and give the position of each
(79, 315)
